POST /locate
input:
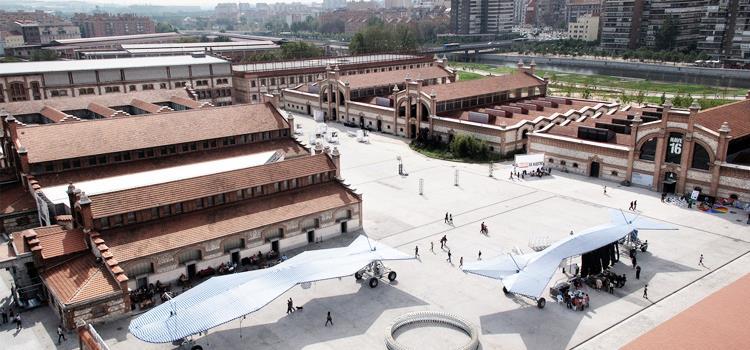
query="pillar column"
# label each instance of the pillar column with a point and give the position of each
(634, 126)
(721, 155)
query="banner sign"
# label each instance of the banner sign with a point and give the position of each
(529, 162)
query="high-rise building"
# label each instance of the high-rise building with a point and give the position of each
(519, 11)
(717, 28)
(481, 17)
(333, 4)
(548, 13)
(621, 24)
(741, 39)
(630, 24)
(42, 33)
(102, 24)
(586, 28)
(577, 8)
(685, 15)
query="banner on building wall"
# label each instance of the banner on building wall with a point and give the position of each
(529, 162)
(642, 179)
(674, 148)
(318, 115)
(42, 209)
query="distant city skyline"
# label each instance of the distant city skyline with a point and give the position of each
(202, 3)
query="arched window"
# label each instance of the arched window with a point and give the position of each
(648, 150)
(701, 159)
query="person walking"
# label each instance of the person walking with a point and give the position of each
(645, 291)
(635, 205)
(289, 306)
(432, 246)
(449, 256)
(18, 322)
(416, 251)
(446, 217)
(329, 319)
(634, 260)
(461, 262)
(450, 219)
(60, 335)
(605, 189)
(638, 272)
(480, 255)
(700, 261)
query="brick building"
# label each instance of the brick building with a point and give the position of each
(43, 33)
(171, 193)
(104, 24)
(208, 78)
(657, 147)
(251, 81)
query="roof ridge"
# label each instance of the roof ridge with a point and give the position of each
(295, 159)
(81, 286)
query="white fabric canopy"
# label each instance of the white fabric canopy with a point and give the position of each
(225, 298)
(529, 274)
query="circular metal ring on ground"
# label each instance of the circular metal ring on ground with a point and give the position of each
(434, 317)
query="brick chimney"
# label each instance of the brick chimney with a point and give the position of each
(85, 207)
(24, 155)
(290, 119)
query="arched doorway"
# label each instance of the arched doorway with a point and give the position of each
(670, 182)
(412, 131)
(380, 125)
(594, 169)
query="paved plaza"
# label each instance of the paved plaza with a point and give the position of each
(517, 212)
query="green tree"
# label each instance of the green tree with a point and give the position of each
(164, 27)
(640, 96)
(300, 49)
(663, 98)
(44, 55)
(586, 94)
(667, 34)
(468, 146)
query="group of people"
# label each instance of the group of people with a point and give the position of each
(448, 218)
(577, 300)
(8, 314)
(633, 205)
(539, 172)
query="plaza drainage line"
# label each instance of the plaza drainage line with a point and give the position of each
(662, 298)
(463, 225)
(604, 206)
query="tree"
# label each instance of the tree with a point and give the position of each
(300, 49)
(667, 34)
(378, 37)
(468, 146)
(44, 55)
(164, 27)
(586, 94)
(640, 96)
(663, 98)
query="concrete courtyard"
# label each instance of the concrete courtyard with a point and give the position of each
(516, 212)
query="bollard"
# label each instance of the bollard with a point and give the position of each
(455, 178)
(492, 167)
(421, 186)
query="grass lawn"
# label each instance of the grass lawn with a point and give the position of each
(604, 81)
(463, 75)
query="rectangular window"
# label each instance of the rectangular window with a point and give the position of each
(219, 199)
(130, 217)
(131, 88)
(176, 208)
(150, 153)
(86, 91)
(76, 163)
(103, 159)
(199, 203)
(263, 82)
(147, 87)
(154, 213)
(165, 210)
(111, 89)
(276, 187)
(209, 201)
(116, 220)
(163, 86)
(239, 194)
(104, 223)
(66, 164)
(125, 155)
(252, 83)
(49, 167)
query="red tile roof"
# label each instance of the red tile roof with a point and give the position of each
(291, 148)
(81, 102)
(101, 110)
(130, 243)
(130, 200)
(56, 241)
(80, 279)
(148, 106)
(14, 199)
(737, 114)
(70, 140)
(488, 85)
(389, 78)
